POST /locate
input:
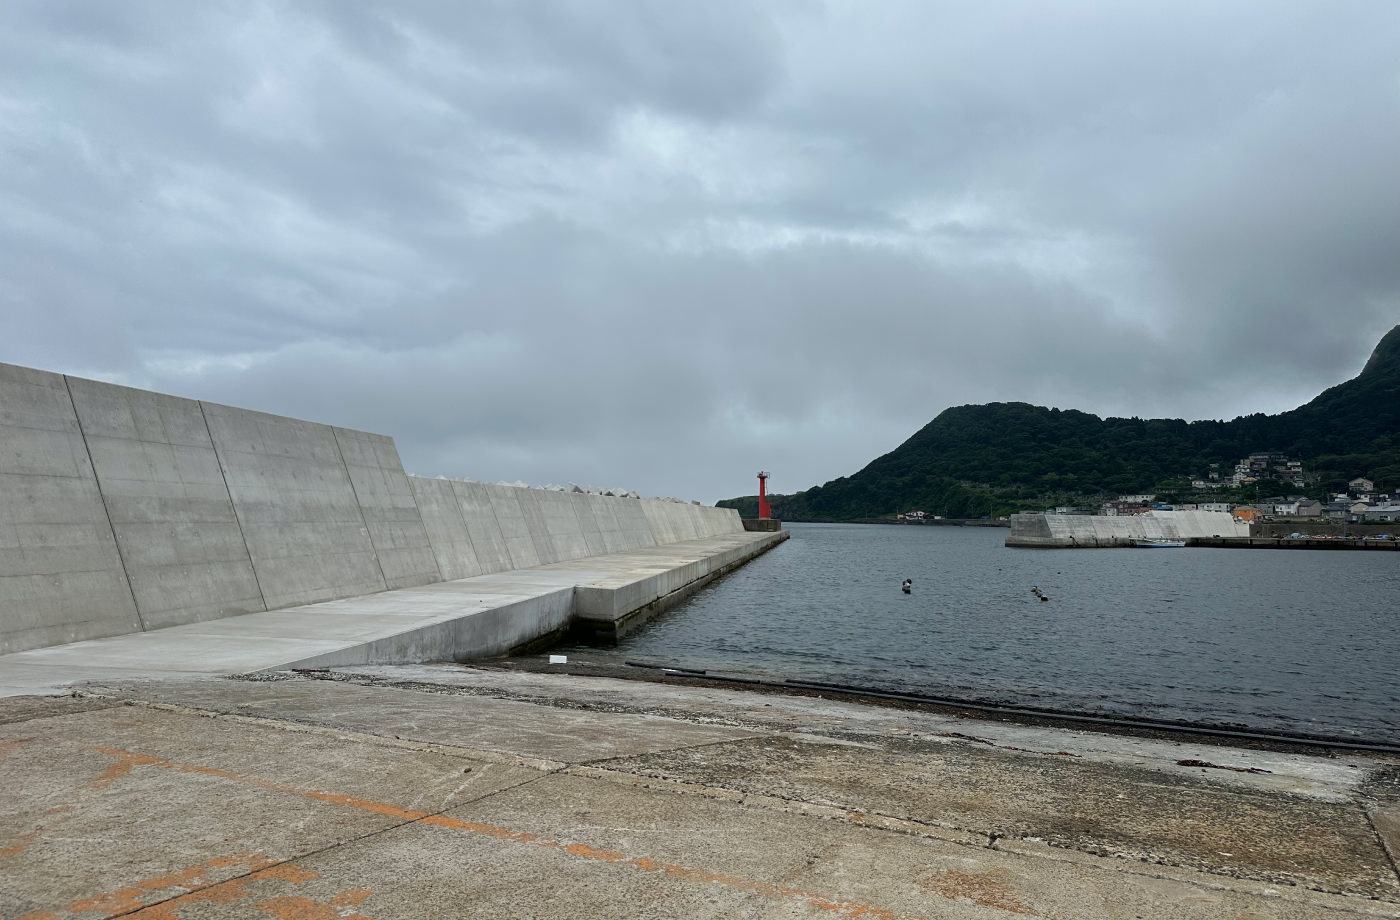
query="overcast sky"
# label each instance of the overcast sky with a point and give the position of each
(662, 245)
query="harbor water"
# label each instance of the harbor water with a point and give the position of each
(1298, 641)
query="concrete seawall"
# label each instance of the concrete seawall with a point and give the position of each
(1090, 531)
(124, 511)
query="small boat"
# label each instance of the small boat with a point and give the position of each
(1159, 542)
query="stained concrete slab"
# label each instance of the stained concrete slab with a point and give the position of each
(504, 726)
(1329, 779)
(273, 799)
(106, 812)
(1067, 804)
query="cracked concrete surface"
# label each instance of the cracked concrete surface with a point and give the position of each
(441, 790)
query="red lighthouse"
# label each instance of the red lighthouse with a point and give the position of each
(764, 512)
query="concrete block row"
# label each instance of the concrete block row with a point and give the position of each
(479, 529)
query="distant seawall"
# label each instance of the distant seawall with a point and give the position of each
(1088, 531)
(123, 510)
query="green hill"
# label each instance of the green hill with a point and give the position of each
(998, 458)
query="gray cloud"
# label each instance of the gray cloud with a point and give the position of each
(662, 246)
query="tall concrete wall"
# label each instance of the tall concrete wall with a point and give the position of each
(296, 506)
(123, 510)
(61, 578)
(168, 505)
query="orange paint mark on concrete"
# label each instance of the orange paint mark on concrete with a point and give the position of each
(684, 873)
(582, 851)
(113, 773)
(229, 892)
(380, 808)
(20, 843)
(296, 907)
(484, 830)
(352, 897)
(133, 897)
(588, 852)
(39, 915)
(287, 872)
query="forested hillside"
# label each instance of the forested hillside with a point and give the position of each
(998, 458)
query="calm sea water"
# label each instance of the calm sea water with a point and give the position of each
(1300, 641)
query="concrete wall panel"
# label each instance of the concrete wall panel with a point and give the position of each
(600, 508)
(589, 526)
(659, 521)
(721, 521)
(446, 528)
(565, 534)
(536, 527)
(296, 506)
(632, 522)
(61, 578)
(386, 502)
(695, 517)
(502, 505)
(169, 507)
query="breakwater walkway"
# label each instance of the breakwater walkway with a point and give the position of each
(467, 618)
(158, 533)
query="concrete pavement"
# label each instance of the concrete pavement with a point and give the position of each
(435, 791)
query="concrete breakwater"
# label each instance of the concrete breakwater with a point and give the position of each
(124, 511)
(1088, 531)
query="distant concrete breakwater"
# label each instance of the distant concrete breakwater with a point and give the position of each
(126, 511)
(1100, 531)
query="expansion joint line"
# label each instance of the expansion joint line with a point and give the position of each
(106, 511)
(233, 505)
(360, 508)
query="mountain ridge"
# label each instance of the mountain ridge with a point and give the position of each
(994, 458)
